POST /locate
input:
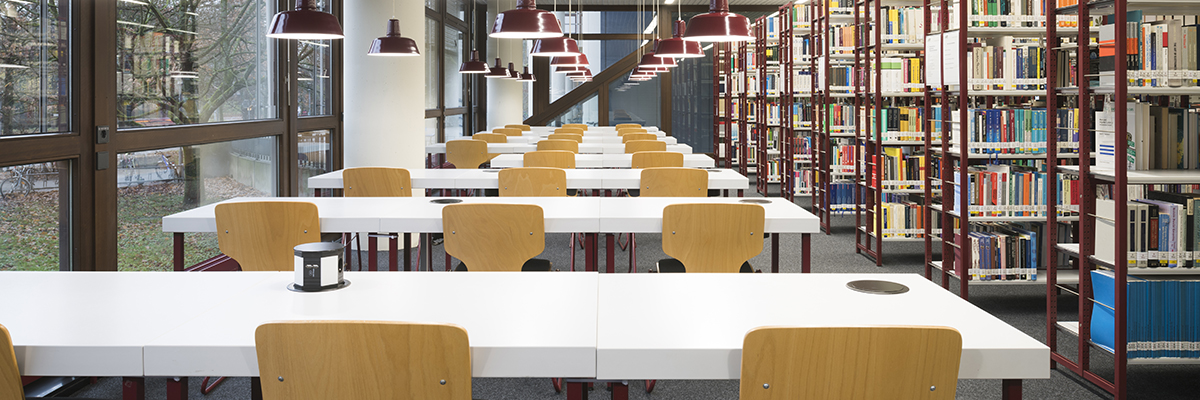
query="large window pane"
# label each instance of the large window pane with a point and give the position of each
(604, 21)
(313, 77)
(432, 63)
(601, 54)
(634, 102)
(586, 112)
(34, 67)
(458, 8)
(32, 204)
(454, 127)
(431, 129)
(454, 58)
(315, 157)
(193, 62)
(156, 183)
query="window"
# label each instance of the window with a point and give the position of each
(637, 104)
(155, 183)
(586, 112)
(447, 99)
(453, 56)
(433, 63)
(33, 217)
(35, 94)
(315, 157)
(182, 63)
(313, 80)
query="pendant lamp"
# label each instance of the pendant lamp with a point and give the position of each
(497, 71)
(393, 44)
(563, 70)
(660, 63)
(526, 22)
(527, 77)
(579, 73)
(512, 72)
(676, 47)
(474, 66)
(718, 25)
(571, 61)
(555, 47)
(305, 22)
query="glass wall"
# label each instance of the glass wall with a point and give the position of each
(453, 58)
(315, 157)
(155, 183)
(34, 66)
(432, 63)
(635, 102)
(33, 205)
(192, 62)
(586, 112)
(601, 54)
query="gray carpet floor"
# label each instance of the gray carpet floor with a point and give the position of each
(1020, 306)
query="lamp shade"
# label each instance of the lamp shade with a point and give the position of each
(474, 66)
(676, 47)
(580, 60)
(526, 22)
(512, 72)
(563, 70)
(393, 44)
(658, 63)
(580, 73)
(305, 22)
(555, 47)
(718, 25)
(527, 77)
(497, 71)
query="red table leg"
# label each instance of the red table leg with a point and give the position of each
(610, 256)
(408, 252)
(1011, 389)
(775, 253)
(741, 193)
(620, 391)
(576, 391)
(589, 252)
(177, 388)
(372, 248)
(133, 388)
(393, 253)
(179, 251)
(806, 248)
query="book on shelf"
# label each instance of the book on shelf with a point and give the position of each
(841, 196)
(1016, 131)
(1013, 64)
(904, 124)
(901, 75)
(1159, 53)
(801, 16)
(1006, 190)
(904, 169)
(904, 219)
(802, 181)
(1002, 251)
(1162, 230)
(1161, 319)
(904, 25)
(1157, 138)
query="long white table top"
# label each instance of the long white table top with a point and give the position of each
(562, 214)
(587, 139)
(603, 161)
(706, 316)
(591, 129)
(95, 323)
(584, 148)
(576, 179)
(526, 324)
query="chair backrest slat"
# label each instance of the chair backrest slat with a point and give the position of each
(638, 136)
(622, 126)
(261, 235)
(10, 377)
(491, 137)
(656, 159)
(522, 127)
(578, 138)
(569, 130)
(508, 131)
(493, 237)
(578, 126)
(713, 237)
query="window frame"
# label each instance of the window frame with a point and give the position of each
(472, 85)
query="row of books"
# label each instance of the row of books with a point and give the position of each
(1003, 252)
(1157, 137)
(801, 81)
(1014, 64)
(904, 219)
(841, 196)
(802, 16)
(901, 75)
(902, 123)
(904, 25)
(842, 155)
(1016, 130)
(804, 147)
(841, 115)
(1007, 13)
(1162, 317)
(802, 182)
(802, 49)
(802, 115)
(1162, 230)
(842, 40)
(903, 168)
(1161, 53)
(1006, 190)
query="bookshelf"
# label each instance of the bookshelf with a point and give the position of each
(1117, 266)
(722, 107)
(836, 121)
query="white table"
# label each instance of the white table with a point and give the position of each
(590, 129)
(709, 314)
(606, 179)
(603, 161)
(587, 139)
(527, 324)
(584, 148)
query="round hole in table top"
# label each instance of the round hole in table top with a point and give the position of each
(877, 287)
(754, 201)
(446, 201)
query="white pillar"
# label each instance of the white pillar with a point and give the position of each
(503, 95)
(385, 96)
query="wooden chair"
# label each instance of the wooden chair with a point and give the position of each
(261, 235)
(467, 153)
(656, 159)
(869, 363)
(559, 144)
(533, 182)
(379, 182)
(580, 126)
(638, 136)
(302, 360)
(711, 237)
(569, 130)
(621, 126)
(491, 137)
(626, 131)
(522, 127)
(10, 377)
(507, 131)
(550, 158)
(495, 237)
(566, 136)
(634, 146)
(674, 182)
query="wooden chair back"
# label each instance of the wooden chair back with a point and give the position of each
(467, 153)
(626, 131)
(261, 235)
(622, 126)
(377, 182)
(533, 182)
(626, 138)
(634, 146)
(303, 360)
(569, 130)
(559, 144)
(901, 362)
(713, 237)
(657, 159)
(522, 127)
(674, 182)
(566, 136)
(493, 237)
(550, 158)
(578, 126)
(491, 137)
(10, 377)
(507, 131)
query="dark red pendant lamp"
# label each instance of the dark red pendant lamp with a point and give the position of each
(718, 25)
(526, 22)
(676, 47)
(394, 45)
(497, 71)
(573, 61)
(305, 22)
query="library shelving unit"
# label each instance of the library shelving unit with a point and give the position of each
(767, 123)
(1106, 245)
(984, 67)
(820, 124)
(797, 59)
(866, 106)
(743, 120)
(835, 121)
(722, 106)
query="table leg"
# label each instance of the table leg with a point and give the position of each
(610, 257)
(576, 391)
(1011, 389)
(372, 250)
(316, 192)
(393, 252)
(620, 391)
(426, 256)
(741, 193)
(177, 388)
(775, 253)
(133, 388)
(179, 251)
(447, 258)
(255, 388)
(589, 252)
(806, 249)
(408, 252)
